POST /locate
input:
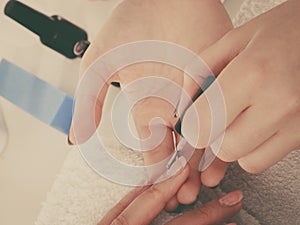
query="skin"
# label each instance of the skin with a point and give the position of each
(202, 23)
(258, 70)
(142, 205)
(259, 73)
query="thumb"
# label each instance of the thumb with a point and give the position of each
(86, 115)
(89, 97)
(214, 212)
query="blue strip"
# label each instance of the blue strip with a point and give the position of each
(63, 117)
(36, 97)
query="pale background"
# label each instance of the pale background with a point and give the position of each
(35, 152)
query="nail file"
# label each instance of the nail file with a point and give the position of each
(35, 96)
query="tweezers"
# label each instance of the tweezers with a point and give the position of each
(177, 148)
(208, 81)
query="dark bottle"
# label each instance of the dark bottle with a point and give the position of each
(54, 32)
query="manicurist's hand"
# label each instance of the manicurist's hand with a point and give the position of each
(142, 205)
(259, 74)
(192, 24)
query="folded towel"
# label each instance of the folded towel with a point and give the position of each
(80, 196)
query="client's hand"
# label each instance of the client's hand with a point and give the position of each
(142, 205)
(193, 24)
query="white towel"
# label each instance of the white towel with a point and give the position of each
(80, 196)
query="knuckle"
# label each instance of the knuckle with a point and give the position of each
(204, 213)
(291, 107)
(120, 220)
(293, 104)
(254, 69)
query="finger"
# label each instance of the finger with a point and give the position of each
(214, 212)
(274, 149)
(253, 123)
(189, 90)
(212, 176)
(89, 99)
(172, 204)
(149, 204)
(220, 54)
(121, 205)
(88, 107)
(164, 150)
(216, 57)
(219, 57)
(189, 191)
(143, 112)
(223, 101)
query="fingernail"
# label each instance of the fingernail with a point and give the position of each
(231, 198)
(177, 166)
(70, 142)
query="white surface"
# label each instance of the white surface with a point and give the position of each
(35, 152)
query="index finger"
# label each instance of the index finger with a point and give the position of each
(144, 208)
(213, 212)
(122, 204)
